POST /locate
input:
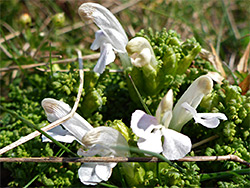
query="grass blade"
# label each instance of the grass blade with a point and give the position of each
(31, 125)
(139, 95)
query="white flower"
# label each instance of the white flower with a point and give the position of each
(111, 35)
(150, 132)
(141, 52)
(76, 125)
(102, 141)
(167, 124)
(202, 86)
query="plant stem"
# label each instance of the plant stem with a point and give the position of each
(216, 175)
(140, 97)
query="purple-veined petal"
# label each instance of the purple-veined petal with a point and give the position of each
(153, 143)
(209, 120)
(108, 139)
(143, 124)
(107, 56)
(59, 134)
(176, 145)
(55, 110)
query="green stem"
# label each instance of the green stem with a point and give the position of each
(50, 61)
(108, 185)
(158, 172)
(216, 175)
(31, 125)
(231, 72)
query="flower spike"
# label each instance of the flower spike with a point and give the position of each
(156, 135)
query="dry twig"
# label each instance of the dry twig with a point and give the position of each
(204, 141)
(123, 159)
(13, 35)
(71, 60)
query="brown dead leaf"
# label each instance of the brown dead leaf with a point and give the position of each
(216, 77)
(217, 62)
(242, 66)
(245, 85)
(213, 58)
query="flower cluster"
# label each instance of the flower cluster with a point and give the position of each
(159, 134)
(168, 123)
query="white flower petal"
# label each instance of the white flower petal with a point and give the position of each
(213, 115)
(152, 143)
(104, 170)
(141, 52)
(164, 111)
(99, 39)
(189, 108)
(108, 138)
(107, 56)
(107, 22)
(176, 145)
(193, 96)
(209, 120)
(142, 59)
(96, 149)
(88, 175)
(117, 40)
(55, 110)
(142, 124)
(59, 134)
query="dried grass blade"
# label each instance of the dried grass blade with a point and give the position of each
(242, 66)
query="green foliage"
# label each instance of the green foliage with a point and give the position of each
(233, 133)
(25, 100)
(110, 99)
(174, 57)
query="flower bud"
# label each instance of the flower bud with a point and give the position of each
(25, 19)
(164, 110)
(141, 52)
(58, 19)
